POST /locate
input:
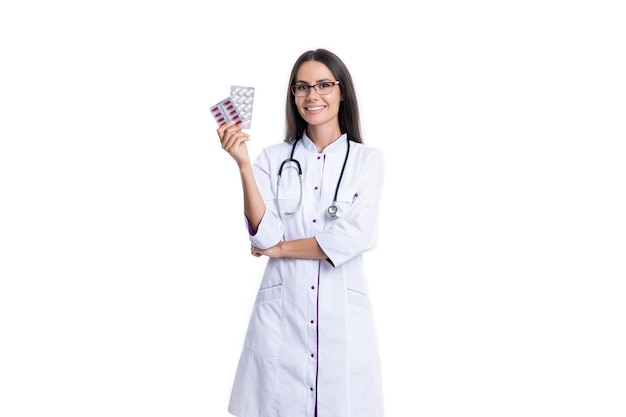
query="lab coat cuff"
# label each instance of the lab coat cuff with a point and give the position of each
(332, 249)
(265, 236)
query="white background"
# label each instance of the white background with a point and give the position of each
(126, 280)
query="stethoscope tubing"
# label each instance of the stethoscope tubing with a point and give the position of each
(334, 211)
(280, 173)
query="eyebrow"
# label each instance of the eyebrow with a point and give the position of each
(318, 81)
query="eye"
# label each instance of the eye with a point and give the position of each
(325, 85)
(301, 87)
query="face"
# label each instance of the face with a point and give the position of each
(317, 109)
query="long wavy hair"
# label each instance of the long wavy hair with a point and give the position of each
(349, 120)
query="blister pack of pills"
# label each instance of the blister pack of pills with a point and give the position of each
(236, 108)
(244, 99)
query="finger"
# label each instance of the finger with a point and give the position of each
(221, 130)
(231, 131)
(234, 139)
(228, 129)
(230, 141)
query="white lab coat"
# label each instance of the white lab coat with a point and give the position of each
(311, 340)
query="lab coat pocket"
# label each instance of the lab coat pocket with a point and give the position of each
(263, 336)
(288, 200)
(361, 333)
(345, 198)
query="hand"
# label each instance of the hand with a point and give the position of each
(234, 140)
(272, 252)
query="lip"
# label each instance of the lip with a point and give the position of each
(314, 109)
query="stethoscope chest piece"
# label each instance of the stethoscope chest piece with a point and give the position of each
(333, 212)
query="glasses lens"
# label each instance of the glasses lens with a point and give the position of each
(300, 90)
(324, 88)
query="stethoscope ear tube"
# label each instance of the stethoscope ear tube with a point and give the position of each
(280, 173)
(286, 161)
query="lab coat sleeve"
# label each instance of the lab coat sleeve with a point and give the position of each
(357, 231)
(270, 230)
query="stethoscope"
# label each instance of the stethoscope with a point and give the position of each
(333, 211)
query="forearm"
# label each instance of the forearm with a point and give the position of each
(253, 204)
(306, 248)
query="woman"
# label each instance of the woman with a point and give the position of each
(311, 205)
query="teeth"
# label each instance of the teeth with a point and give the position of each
(314, 108)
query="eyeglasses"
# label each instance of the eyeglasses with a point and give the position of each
(323, 88)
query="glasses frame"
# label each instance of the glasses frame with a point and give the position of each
(293, 88)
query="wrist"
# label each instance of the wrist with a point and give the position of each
(245, 166)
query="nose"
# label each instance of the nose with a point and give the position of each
(312, 90)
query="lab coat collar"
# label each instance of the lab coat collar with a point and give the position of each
(337, 146)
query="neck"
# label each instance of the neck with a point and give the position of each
(323, 137)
